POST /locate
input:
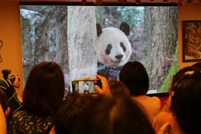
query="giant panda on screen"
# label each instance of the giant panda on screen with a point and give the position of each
(112, 45)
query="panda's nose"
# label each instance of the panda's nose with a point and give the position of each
(119, 56)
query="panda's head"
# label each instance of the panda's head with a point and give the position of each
(112, 45)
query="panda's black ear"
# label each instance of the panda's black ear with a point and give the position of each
(125, 28)
(99, 29)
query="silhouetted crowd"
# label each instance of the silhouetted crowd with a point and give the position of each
(119, 107)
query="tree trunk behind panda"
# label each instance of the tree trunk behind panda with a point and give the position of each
(160, 45)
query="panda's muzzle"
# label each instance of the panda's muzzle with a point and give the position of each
(119, 57)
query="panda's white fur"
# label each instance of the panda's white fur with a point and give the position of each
(113, 36)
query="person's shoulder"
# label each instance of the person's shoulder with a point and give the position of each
(19, 114)
(155, 98)
(147, 99)
(167, 116)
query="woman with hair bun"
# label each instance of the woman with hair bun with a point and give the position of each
(185, 104)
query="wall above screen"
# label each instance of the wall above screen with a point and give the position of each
(113, 2)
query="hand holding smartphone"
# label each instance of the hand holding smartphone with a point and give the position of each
(104, 89)
(86, 86)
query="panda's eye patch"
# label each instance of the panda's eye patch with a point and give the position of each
(108, 49)
(123, 47)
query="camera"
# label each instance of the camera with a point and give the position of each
(85, 86)
(6, 73)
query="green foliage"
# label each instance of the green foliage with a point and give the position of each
(174, 69)
(132, 15)
(99, 12)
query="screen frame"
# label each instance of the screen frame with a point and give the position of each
(92, 4)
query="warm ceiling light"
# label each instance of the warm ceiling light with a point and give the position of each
(98, 2)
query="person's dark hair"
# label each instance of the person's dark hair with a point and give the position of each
(177, 77)
(69, 111)
(186, 101)
(118, 89)
(112, 116)
(3, 100)
(197, 64)
(44, 89)
(135, 76)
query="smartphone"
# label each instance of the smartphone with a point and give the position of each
(85, 86)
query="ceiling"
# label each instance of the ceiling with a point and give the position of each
(112, 2)
(104, 1)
